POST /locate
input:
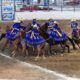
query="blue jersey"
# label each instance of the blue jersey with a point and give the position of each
(74, 25)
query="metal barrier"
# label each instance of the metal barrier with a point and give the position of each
(50, 7)
(55, 5)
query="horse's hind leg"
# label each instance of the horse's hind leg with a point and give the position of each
(13, 53)
(15, 46)
(6, 43)
(43, 51)
(68, 47)
(39, 52)
(24, 50)
(50, 50)
(72, 42)
(2, 36)
(63, 48)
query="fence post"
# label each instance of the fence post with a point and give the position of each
(48, 4)
(61, 8)
(74, 7)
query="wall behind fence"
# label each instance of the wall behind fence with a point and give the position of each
(45, 15)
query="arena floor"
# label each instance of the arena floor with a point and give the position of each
(68, 64)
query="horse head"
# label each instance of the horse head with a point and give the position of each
(43, 28)
(76, 35)
(28, 27)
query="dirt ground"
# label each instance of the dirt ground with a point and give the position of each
(13, 70)
(68, 64)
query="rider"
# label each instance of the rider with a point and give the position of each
(74, 26)
(57, 34)
(50, 23)
(35, 25)
(33, 37)
(56, 27)
(18, 26)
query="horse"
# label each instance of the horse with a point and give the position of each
(20, 40)
(15, 42)
(76, 37)
(40, 46)
(43, 32)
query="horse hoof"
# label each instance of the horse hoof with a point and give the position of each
(74, 48)
(2, 50)
(37, 58)
(74, 53)
(13, 54)
(68, 51)
(61, 54)
(44, 57)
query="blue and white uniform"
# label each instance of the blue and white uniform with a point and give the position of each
(17, 26)
(11, 34)
(33, 37)
(56, 33)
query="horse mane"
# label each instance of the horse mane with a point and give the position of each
(43, 31)
(44, 27)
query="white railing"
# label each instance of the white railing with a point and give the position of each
(45, 15)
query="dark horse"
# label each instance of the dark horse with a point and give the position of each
(76, 37)
(43, 32)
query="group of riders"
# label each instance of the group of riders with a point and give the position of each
(34, 37)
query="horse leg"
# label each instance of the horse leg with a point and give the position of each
(2, 36)
(43, 51)
(13, 53)
(39, 52)
(67, 47)
(24, 50)
(63, 48)
(15, 46)
(72, 42)
(77, 43)
(50, 50)
(6, 43)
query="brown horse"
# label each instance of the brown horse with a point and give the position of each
(12, 43)
(40, 48)
(19, 40)
(15, 42)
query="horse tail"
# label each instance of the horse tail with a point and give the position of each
(72, 42)
(2, 36)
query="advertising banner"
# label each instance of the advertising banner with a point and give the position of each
(8, 10)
